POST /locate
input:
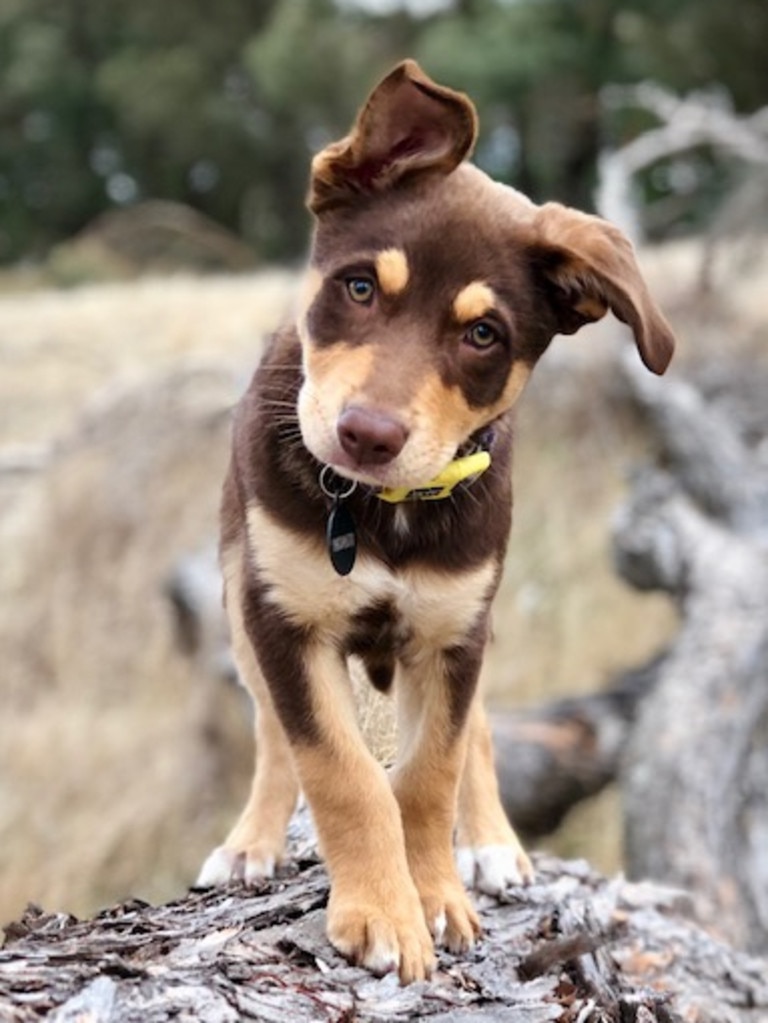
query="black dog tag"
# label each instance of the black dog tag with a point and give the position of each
(340, 533)
(341, 538)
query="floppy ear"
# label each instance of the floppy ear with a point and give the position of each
(590, 267)
(409, 125)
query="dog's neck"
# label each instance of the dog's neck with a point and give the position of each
(471, 461)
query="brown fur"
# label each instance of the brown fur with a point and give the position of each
(431, 294)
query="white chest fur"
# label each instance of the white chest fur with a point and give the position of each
(438, 607)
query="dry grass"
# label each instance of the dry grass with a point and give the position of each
(111, 755)
(120, 765)
(60, 349)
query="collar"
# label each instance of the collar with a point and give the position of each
(461, 470)
(471, 461)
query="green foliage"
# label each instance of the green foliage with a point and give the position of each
(106, 102)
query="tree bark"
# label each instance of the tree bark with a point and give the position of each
(695, 775)
(555, 755)
(572, 947)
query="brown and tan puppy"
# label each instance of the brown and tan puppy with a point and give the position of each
(361, 516)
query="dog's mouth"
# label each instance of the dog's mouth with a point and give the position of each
(378, 477)
(376, 448)
(395, 482)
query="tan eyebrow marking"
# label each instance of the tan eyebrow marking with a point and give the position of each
(392, 271)
(473, 301)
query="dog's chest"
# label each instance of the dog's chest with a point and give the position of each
(374, 607)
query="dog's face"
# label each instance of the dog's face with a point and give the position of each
(433, 290)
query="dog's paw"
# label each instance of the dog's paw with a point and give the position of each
(451, 917)
(494, 868)
(382, 939)
(226, 864)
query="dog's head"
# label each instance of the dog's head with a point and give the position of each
(433, 290)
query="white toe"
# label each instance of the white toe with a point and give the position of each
(465, 864)
(438, 928)
(225, 865)
(258, 869)
(490, 868)
(219, 868)
(381, 959)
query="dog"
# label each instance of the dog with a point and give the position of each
(367, 510)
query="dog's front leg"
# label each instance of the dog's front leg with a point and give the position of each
(489, 854)
(375, 916)
(256, 844)
(434, 692)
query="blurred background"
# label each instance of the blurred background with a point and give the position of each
(153, 165)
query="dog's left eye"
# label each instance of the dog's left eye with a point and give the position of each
(482, 334)
(360, 289)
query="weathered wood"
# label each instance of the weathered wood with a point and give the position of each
(713, 456)
(694, 779)
(573, 947)
(554, 755)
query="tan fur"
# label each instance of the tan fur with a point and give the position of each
(481, 819)
(425, 782)
(442, 606)
(516, 382)
(322, 367)
(444, 417)
(392, 271)
(437, 417)
(323, 166)
(340, 773)
(473, 301)
(374, 912)
(259, 833)
(326, 391)
(591, 307)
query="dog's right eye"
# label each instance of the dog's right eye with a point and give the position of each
(360, 289)
(483, 335)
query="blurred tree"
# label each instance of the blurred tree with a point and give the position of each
(304, 76)
(537, 68)
(693, 44)
(103, 102)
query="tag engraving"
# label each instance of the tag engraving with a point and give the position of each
(341, 538)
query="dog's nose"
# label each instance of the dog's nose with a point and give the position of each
(370, 437)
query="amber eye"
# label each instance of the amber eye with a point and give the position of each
(360, 289)
(482, 334)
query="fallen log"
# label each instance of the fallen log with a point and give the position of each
(554, 755)
(573, 947)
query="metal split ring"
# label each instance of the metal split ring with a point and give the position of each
(335, 486)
